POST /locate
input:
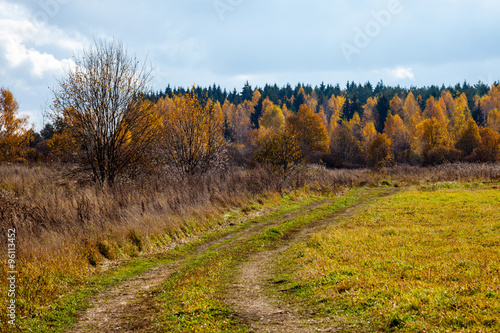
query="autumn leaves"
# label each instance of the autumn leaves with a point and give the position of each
(13, 132)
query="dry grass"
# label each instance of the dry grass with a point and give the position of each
(66, 229)
(321, 179)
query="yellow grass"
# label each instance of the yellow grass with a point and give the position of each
(426, 260)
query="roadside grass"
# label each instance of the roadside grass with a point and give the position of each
(425, 260)
(193, 298)
(75, 289)
(78, 284)
(68, 231)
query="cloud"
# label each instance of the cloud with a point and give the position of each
(23, 40)
(402, 73)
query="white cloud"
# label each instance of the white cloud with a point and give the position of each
(22, 38)
(402, 73)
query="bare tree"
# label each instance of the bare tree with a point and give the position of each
(101, 99)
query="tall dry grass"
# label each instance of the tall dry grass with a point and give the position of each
(321, 179)
(65, 228)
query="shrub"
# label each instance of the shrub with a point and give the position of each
(441, 155)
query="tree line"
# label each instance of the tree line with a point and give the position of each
(104, 119)
(357, 94)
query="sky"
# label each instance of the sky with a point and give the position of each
(229, 42)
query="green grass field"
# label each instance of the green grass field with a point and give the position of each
(424, 260)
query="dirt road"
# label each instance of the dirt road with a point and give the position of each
(127, 308)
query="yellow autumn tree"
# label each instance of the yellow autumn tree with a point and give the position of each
(448, 103)
(272, 119)
(396, 106)
(460, 116)
(469, 139)
(239, 123)
(312, 101)
(334, 109)
(356, 126)
(436, 109)
(62, 145)
(490, 101)
(368, 133)
(368, 110)
(493, 120)
(489, 148)
(266, 104)
(399, 135)
(379, 152)
(411, 110)
(281, 152)
(12, 126)
(433, 134)
(310, 130)
(193, 135)
(256, 96)
(436, 142)
(322, 114)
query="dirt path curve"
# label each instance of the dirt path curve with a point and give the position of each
(125, 307)
(249, 297)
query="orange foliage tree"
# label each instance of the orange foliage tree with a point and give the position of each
(397, 132)
(396, 106)
(469, 139)
(310, 130)
(489, 148)
(193, 134)
(379, 152)
(12, 127)
(411, 110)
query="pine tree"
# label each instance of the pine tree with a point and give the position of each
(382, 110)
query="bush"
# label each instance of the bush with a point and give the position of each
(441, 155)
